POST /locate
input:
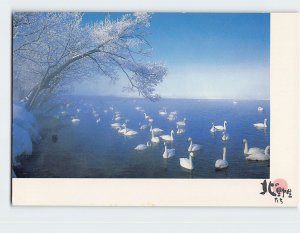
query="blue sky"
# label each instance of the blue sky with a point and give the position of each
(211, 56)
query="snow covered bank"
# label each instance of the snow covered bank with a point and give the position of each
(25, 131)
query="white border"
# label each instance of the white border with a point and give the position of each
(62, 219)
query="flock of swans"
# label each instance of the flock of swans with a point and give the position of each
(120, 124)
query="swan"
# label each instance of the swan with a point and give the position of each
(64, 113)
(213, 129)
(222, 163)
(143, 127)
(193, 147)
(168, 153)
(75, 120)
(168, 137)
(261, 125)
(171, 117)
(156, 130)
(252, 150)
(221, 127)
(154, 139)
(138, 108)
(98, 120)
(124, 130)
(142, 146)
(130, 133)
(180, 131)
(234, 102)
(150, 120)
(181, 123)
(187, 163)
(163, 112)
(115, 125)
(260, 155)
(146, 116)
(225, 136)
(260, 109)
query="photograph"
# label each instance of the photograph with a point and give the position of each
(140, 95)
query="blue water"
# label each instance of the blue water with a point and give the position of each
(95, 150)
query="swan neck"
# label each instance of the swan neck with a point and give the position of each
(267, 150)
(224, 153)
(246, 148)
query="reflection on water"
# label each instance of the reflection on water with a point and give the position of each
(96, 150)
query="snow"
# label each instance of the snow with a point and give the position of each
(24, 131)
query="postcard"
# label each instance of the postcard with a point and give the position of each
(155, 109)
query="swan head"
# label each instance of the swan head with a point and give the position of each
(189, 139)
(191, 154)
(244, 140)
(265, 120)
(165, 144)
(225, 122)
(172, 131)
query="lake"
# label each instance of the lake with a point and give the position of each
(91, 150)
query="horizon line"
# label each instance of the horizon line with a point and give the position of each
(192, 98)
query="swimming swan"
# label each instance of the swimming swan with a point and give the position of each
(181, 123)
(260, 109)
(130, 132)
(168, 137)
(163, 112)
(142, 146)
(222, 163)
(261, 125)
(193, 147)
(225, 136)
(156, 130)
(220, 127)
(252, 150)
(187, 163)
(154, 139)
(213, 129)
(260, 155)
(168, 153)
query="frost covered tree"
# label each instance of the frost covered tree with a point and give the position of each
(52, 50)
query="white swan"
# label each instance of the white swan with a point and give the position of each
(98, 120)
(168, 153)
(156, 130)
(180, 130)
(187, 163)
(253, 150)
(146, 116)
(168, 137)
(172, 117)
(142, 146)
(130, 133)
(150, 120)
(143, 127)
(225, 136)
(64, 113)
(260, 109)
(222, 163)
(261, 155)
(261, 125)
(115, 125)
(75, 120)
(181, 123)
(221, 127)
(213, 129)
(193, 147)
(163, 112)
(154, 139)
(124, 130)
